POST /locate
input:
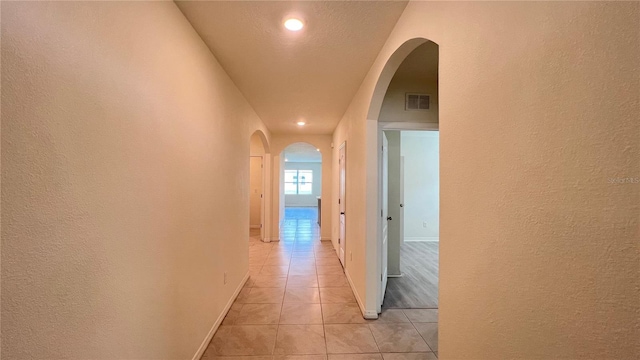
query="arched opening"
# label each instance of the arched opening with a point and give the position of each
(404, 119)
(300, 192)
(258, 151)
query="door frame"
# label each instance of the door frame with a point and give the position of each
(342, 204)
(382, 126)
(383, 249)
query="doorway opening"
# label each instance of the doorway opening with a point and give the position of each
(413, 232)
(409, 185)
(404, 108)
(258, 154)
(301, 188)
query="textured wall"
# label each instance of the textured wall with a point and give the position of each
(120, 134)
(538, 111)
(417, 74)
(257, 151)
(255, 189)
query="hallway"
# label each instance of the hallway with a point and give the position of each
(297, 301)
(150, 151)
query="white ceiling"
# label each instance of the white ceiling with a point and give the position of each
(302, 152)
(312, 74)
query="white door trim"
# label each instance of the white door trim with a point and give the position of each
(384, 220)
(342, 205)
(408, 126)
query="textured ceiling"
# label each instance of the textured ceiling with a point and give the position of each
(302, 152)
(311, 74)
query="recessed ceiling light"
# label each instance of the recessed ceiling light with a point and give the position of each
(317, 149)
(301, 123)
(286, 159)
(293, 24)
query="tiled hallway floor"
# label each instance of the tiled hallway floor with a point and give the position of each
(297, 304)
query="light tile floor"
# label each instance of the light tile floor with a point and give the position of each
(297, 304)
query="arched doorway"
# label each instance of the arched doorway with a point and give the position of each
(300, 192)
(403, 118)
(258, 167)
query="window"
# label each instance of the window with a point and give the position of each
(298, 182)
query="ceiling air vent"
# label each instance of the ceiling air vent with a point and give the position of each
(416, 102)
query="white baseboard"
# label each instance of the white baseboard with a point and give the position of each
(325, 239)
(369, 315)
(394, 275)
(421, 239)
(216, 325)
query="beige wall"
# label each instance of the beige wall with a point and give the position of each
(255, 190)
(278, 144)
(352, 132)
(256, 147)
(417, 74)
(257, 152)
(538, 110)
(120, 136)
(393, 107)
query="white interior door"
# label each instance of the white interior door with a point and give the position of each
(385, 216)
(341, 204)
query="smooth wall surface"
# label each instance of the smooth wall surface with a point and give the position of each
(255, 190)
(305, 200)
(539, 109)
(120, 134)
(256, 174)
(420, 150)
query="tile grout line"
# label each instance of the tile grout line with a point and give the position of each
(324, 329)
(275, 342)
(295, 240)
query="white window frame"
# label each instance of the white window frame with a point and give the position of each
(297, 183)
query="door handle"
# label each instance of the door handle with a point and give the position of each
(342, 213)
(389, 218)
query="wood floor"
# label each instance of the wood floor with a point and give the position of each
(418, 286)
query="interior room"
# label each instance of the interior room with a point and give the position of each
(302, 185)
(414, 194)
